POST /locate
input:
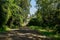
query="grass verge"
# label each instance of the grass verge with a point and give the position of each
(46, 32)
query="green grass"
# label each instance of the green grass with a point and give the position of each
(6, 28)
(46, 31)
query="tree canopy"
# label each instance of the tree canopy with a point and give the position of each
(13, 12)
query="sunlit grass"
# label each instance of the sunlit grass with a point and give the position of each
(46, 32)
(6, 28)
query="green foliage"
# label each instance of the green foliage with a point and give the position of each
(13, 12)
(43, 31)
(5, 12)
(34, 22)
(48, 13)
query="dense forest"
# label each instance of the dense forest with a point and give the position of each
(14, 14)
(47, 15)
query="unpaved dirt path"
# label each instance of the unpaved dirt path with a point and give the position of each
(23, 34)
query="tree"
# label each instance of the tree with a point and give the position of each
(5, 11)
(20, 11)
(49, 12)
(13, 12)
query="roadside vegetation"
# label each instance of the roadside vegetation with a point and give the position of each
(15, 14)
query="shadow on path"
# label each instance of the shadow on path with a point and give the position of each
(23, 34)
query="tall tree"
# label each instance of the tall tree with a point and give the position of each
(20, 11)
(5, 11)
(13, 12)
(48, 11)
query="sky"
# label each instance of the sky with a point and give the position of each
(33, 8)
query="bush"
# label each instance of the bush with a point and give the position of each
(34, 22)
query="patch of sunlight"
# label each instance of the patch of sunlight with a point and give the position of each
(27, 33)
(42, 36)
(7, 29)
(51, 30)
(44, 30)
(57, 36)
(34, 35)
(30, 37)
(21, 34)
